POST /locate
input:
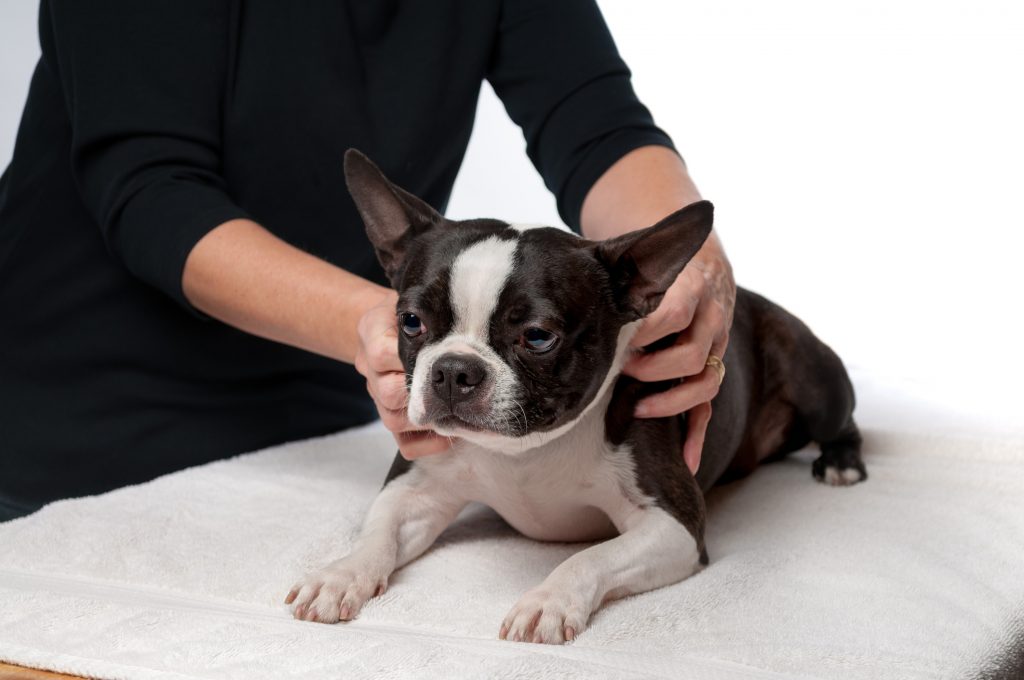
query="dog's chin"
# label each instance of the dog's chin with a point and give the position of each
(488, 432)
(471, 430)
(490, 438)
(463, 425)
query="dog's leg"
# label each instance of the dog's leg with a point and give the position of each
(825, 400)
(806, 374)
(653, 550)
(404, 520)
(840, 463)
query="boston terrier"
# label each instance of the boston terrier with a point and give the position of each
(513, 338)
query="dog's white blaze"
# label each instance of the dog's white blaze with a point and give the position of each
(478, 276)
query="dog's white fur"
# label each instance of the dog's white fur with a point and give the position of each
(565, 485)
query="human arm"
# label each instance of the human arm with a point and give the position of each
(246, 277)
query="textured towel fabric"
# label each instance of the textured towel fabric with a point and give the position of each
(915, 574)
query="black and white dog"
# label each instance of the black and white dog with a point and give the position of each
(514, 338)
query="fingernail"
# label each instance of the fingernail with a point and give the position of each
(641, 410)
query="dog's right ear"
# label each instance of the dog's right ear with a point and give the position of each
(393, 216)
(644, 263)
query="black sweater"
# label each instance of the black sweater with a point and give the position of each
(150, 123)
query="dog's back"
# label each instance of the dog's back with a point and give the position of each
(799, 393)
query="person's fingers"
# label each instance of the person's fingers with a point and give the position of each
(658, 325)
(382, 353)
(694, 390)
(720, 344)
(379, 363)
(396, 420)
(675, 312)
(413, 442)
(697, 427)
(685, 358)
(388, 390)
(378, 335)
(421, 443)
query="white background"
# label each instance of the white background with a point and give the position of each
(866, 160)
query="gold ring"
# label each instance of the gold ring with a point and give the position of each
(716, 363)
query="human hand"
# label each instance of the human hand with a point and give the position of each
(698, 306)
(377, 361)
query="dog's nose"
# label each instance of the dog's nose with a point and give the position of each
(456, 376)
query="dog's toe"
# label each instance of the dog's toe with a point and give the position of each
(835, 474)
(335, 593)
(544, 617)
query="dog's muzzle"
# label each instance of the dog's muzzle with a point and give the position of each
(460, 389)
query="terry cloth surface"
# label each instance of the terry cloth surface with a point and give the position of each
(917, 573)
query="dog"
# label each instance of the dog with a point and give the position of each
(513, 338)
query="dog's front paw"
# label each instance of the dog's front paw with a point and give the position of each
(337, 592)
(547, 615)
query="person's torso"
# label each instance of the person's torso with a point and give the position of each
(91, 357)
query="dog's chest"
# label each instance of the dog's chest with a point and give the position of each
(575, 488)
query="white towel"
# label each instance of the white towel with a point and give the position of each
(916, 573)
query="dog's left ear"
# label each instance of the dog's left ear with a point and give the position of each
(393, 216)
(644, 264)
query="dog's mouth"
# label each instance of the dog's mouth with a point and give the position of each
(451, 425)
(467, 419)
(451, 422)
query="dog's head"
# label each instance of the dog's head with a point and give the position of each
(509, 333)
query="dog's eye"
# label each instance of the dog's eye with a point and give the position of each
(539, 340)
(411, 324)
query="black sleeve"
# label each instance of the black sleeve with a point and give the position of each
(556, 69)
(144, 86)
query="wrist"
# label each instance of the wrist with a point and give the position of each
(370, 296)
(353, 302)
(245, 276)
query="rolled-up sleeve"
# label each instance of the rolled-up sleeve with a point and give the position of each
(144, 85)
(561, 79)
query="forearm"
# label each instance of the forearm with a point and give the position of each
(642, 187)
(246, 277)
